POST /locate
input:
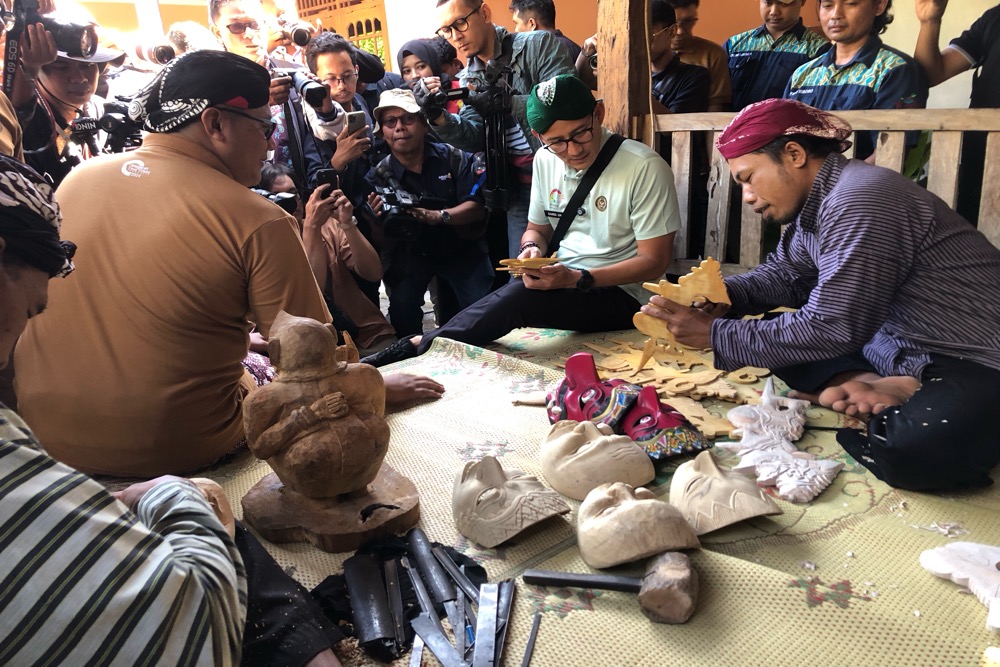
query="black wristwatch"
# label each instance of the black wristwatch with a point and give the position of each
(445, 217)
(586, 281)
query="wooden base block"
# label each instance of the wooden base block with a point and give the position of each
(389, 506)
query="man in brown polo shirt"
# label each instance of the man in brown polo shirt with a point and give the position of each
(135, 369)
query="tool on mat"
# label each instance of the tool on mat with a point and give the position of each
(505, 601)
(370, 608)
(428, 626)
(486, 629)
(661, 599)
(530, 646)
(417, 652)
(395, 596)
(467, 587)
(441, 587)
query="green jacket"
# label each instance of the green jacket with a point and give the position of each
(535, 57)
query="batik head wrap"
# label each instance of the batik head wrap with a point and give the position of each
(30, 220)
(564, 97)
(761, 123)
(196, 81)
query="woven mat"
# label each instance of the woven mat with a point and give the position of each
(833, 582)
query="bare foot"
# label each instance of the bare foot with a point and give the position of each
(868, 394)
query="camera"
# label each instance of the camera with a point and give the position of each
(312, 92)
(299, 33)
(73, 39)
(396, 222)
(157, 54)
(442, 97)
(124, 133)
(286, 201)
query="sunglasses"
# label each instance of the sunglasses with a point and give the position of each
(270, 125)
(407, 119)
(240, 27)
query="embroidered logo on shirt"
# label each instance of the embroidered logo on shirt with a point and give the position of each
(555, 197)
(135, 169)
(601, 203)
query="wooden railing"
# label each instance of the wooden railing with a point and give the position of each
(945, 125)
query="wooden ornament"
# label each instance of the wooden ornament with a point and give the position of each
(703, 283)
(975, 566)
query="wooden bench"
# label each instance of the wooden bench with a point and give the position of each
(945, 125)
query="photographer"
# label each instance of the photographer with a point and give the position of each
(242, 28)
(51, 91)
(337, 252)
(535, 56)
(422, 242)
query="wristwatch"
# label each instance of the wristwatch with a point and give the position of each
(445, 217)
(586, 281)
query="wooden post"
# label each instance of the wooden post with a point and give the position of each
(623, 64)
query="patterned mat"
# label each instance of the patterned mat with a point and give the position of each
(833, 582)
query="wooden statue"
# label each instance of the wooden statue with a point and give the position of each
(704, 283)
(320, 426)
(620, 524)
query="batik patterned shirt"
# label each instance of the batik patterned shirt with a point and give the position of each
(85, 581)
(760, 66)
(874, 264)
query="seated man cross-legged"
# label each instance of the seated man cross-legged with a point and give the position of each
(897, 308)
(621, 235)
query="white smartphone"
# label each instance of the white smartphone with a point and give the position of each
(355, 121)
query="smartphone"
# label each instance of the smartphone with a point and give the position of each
(328, 176)
(355, 121)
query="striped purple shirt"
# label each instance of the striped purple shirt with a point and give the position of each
(875, 264)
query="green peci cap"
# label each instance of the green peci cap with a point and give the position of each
(564, 97)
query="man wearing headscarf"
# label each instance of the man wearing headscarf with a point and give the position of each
(621, 236)
(179, 254)
(881, 273)
(112, 567)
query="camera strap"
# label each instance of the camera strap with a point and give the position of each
(586, 185)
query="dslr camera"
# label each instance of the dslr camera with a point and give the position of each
(312, 92)
(124, 133)
(74, 39)
(397, 223)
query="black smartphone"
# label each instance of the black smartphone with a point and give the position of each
(328, 176)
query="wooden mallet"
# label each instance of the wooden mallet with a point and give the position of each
(667, 592)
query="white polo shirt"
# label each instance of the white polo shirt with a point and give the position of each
(633, 200)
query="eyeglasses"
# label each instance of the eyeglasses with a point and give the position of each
(270, 125)
(686, 24)
(580, 138)
(460, 25)
(240, 27)
(407, 119)
(660, 32)
(344, 80)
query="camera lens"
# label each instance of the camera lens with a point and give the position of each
(312, 92)
(300, 36)
(76, 40)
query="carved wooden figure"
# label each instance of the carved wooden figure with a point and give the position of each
(704, 283)
(320, 427)
(975, 566)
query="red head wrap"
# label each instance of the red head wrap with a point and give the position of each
(761, 123)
